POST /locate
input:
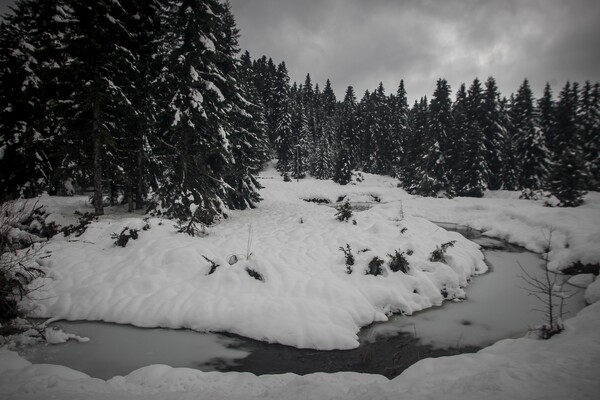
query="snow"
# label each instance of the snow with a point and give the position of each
(58, 336)
(592, 293)
(306, 299)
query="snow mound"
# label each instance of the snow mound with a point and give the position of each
(289, 285)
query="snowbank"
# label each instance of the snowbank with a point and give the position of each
(305, 298)
(563, 367)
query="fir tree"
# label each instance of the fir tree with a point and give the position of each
(531, 147)
(568, 175)
(414, 148)
(343, 170)
(494, 133)
(474, 172)
(348, 128)
(380, 158)
(283, 131)
(433, 169)
(589, 129)
(400, 126)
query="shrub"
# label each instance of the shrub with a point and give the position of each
(374, 267)
(18, 248)
(349, 257)
(344, 212)
(438, 255)
(213, 265)
(84, 220)
(255, 274)
(121, 239)
(398, 262)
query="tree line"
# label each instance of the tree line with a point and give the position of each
(477, 141)
(150, 104)
(145, 101)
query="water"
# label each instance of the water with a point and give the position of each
(497, 306)
(120, 349)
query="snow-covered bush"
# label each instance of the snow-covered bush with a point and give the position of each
(438, 255)
(344, 212)
(18, 248)
(398, 262)
(349, 257)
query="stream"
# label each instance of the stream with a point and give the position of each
(497, 306)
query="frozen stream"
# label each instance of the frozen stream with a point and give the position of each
(497, 307)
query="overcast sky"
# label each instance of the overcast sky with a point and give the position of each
(363, 42)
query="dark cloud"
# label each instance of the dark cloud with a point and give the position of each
(360, 42)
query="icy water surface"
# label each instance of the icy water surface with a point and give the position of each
(120, 349)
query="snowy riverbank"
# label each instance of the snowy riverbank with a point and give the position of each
(305, 297)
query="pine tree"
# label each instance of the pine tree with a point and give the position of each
(248, 139)
(568, 175)
(31, 54)
(348, 136)
(283, 131)
(474, 172)
(301, 144)
(400, 126)
(198, 78)
(531, 147)
(414, 146)
(433, 169)
(510, 166)
(343, 170)
(380, 157)
(589, 128)
(494, 133)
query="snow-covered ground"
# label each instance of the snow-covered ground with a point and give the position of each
(306, 298)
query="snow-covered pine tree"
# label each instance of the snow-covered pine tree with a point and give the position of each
(198, 89)
(546, 111)
(244, 118)
(414, 146)
(142, 22)
(301, 144)
(283, 130)
(568, 175)
(364, 117)
(494, 133)
(433, 169)
(589, 128)
(473, 175)
(322, 163)
(98, 72)
(31, 54)
(380, 158)
(457, 161)
(510, 166)
(343, 169)
(399, 128)
(348, 135)
(532, 152)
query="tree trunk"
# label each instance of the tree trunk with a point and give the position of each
(98, 201)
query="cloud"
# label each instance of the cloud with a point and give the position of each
(360, 42)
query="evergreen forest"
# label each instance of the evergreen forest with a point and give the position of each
(152, 104)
